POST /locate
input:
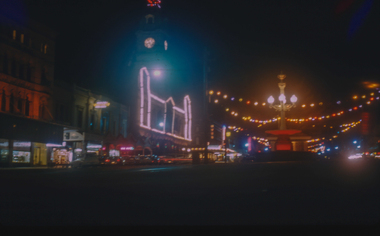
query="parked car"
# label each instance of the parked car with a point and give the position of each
(110, 161)
(88, 159)
(154, 160)
(128, 160)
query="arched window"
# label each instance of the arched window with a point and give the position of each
(27, 107)
(42, 111)
(44, 80)
(11, 103)
(19, 105)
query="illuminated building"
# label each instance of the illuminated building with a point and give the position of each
(160, 123)
(27, 126)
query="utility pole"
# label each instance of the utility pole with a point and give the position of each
(205, 101)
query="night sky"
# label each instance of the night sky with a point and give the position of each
(327, 48)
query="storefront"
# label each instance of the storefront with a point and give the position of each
(23, 142)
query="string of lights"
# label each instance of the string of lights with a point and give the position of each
(296, 120)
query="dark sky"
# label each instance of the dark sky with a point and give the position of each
(327, 48)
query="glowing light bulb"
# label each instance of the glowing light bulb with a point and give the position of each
(263, 103)
(270, 99)
(240, 99)
(312, 104)
(355, 97)
(218, 93)
(293, 99)
(211, 92)
(227, 109)
(303, 105)
(281, 97)
(216, 101)
(256, 103)
(225, 96)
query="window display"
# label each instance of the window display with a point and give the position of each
(21, 157)
(62, 156)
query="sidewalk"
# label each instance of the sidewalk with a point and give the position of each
(23, 168)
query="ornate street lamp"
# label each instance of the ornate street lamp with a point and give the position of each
(282, 107)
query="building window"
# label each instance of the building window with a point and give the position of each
(3, 101)
(44, 80)
(14, 35)
(79, 117)
(104, 125)
(19, 105)
(45, 48)
(27, 107)
(11, 103)
(42, 111)
(5, 64)
(13, 69)
(21, 71)
(29, 73)
(92, 122)
(22, 38)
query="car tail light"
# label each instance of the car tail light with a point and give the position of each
(107, 160)
(118, 159)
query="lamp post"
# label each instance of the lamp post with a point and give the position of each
(282, 107)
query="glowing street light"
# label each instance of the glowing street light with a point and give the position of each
(156, 73)
(282, 107)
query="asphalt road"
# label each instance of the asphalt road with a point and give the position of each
(215, 194)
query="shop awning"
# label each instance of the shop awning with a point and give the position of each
(21, 128)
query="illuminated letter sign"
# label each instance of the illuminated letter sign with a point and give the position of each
(101, 104)
(145, 112)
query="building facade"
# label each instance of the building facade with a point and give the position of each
(27, 53)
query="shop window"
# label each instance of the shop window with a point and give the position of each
(4, 150)
(3, 101)
(21, 152)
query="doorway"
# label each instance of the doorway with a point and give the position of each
(37, 156)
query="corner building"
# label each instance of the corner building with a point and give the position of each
(26, 78)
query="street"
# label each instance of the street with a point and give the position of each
(215, 194)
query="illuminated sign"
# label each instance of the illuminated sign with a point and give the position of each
(22, 144)
(55, 145)
(152, 3)
(145, 112)
(101, 104)
(126, 148)
(97, 146)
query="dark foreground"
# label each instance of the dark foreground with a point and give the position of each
(322, 193)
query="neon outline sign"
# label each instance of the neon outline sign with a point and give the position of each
(186, 111)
